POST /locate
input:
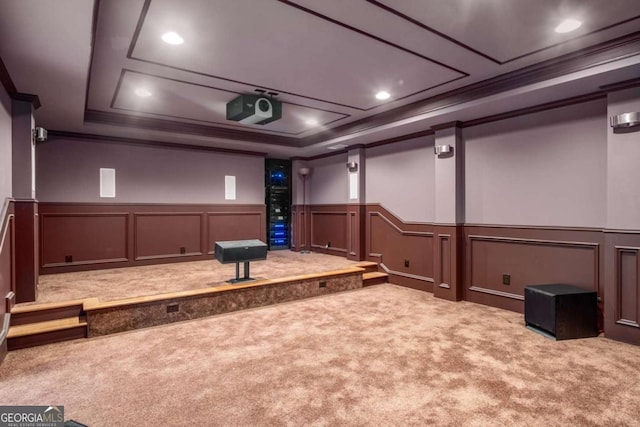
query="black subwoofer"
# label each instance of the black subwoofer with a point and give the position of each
(562, 311)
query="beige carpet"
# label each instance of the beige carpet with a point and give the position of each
(382, 355)
(129, 282)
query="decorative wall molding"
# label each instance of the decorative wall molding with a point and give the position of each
(444, 266)
(627, 307)
(334, 228)
(404, 250)
(408, 275)
(529, 256)
(140, 234)
(497, 293)
(55, 233)
(12, 91)
(351, 233)
(174, 221)
(398, 229)
(622, 287)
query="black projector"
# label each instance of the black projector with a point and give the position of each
(254, 110)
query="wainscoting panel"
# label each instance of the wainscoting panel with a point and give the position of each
(83, 238)
(123, 235)
(627, 284)
(448, 262)
(162, 235)
(329, 229)
(404, 250)
(356, 232)
(233, 226)
(297, 228)
(26, 250)
(300, 229)
(502, 261)
(622, 307)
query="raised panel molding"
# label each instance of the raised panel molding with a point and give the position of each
(622, 286)
(444, 266)
(329, 226)
(301, 228)
(222, 226)
(352, 234)
(497, 293)
(86, 237)
(407, 275)
(627, 285)
(154, 243)
(390, 241)
(148, 233)
(398, 229)
(547, 261)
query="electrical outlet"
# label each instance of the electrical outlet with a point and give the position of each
(323, 284)
(328, 245)
(173, 308)
(406, 263)
(183, 250)
(506, 279)
(68, 258)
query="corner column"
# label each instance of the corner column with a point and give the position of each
(26, 205)
(622, 232)
(356, 174)
(449, 207)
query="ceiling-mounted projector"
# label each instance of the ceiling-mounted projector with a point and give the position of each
(254, 110)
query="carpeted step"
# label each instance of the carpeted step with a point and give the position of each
(47, 332)
(369, 266)
(35, 313)
(374, 278)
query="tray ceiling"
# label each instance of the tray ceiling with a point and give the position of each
(326, 60)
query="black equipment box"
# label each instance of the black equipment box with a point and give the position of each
(240, 251)
(562, 311)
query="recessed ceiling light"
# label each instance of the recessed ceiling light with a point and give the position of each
(172, 38)
(568, 25)
(337, 147)
(311, 122)
(383, 95)
(143, 92)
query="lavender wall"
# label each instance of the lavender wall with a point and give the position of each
(5, 146)
(329, 181)
(400, 176)
(67, 170)
(547, 168)
(623, 172)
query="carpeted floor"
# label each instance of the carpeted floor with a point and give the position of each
(119, 283)
(382, 355)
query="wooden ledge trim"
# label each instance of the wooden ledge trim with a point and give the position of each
(95, 304)
(45, 327)
(47, 306)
